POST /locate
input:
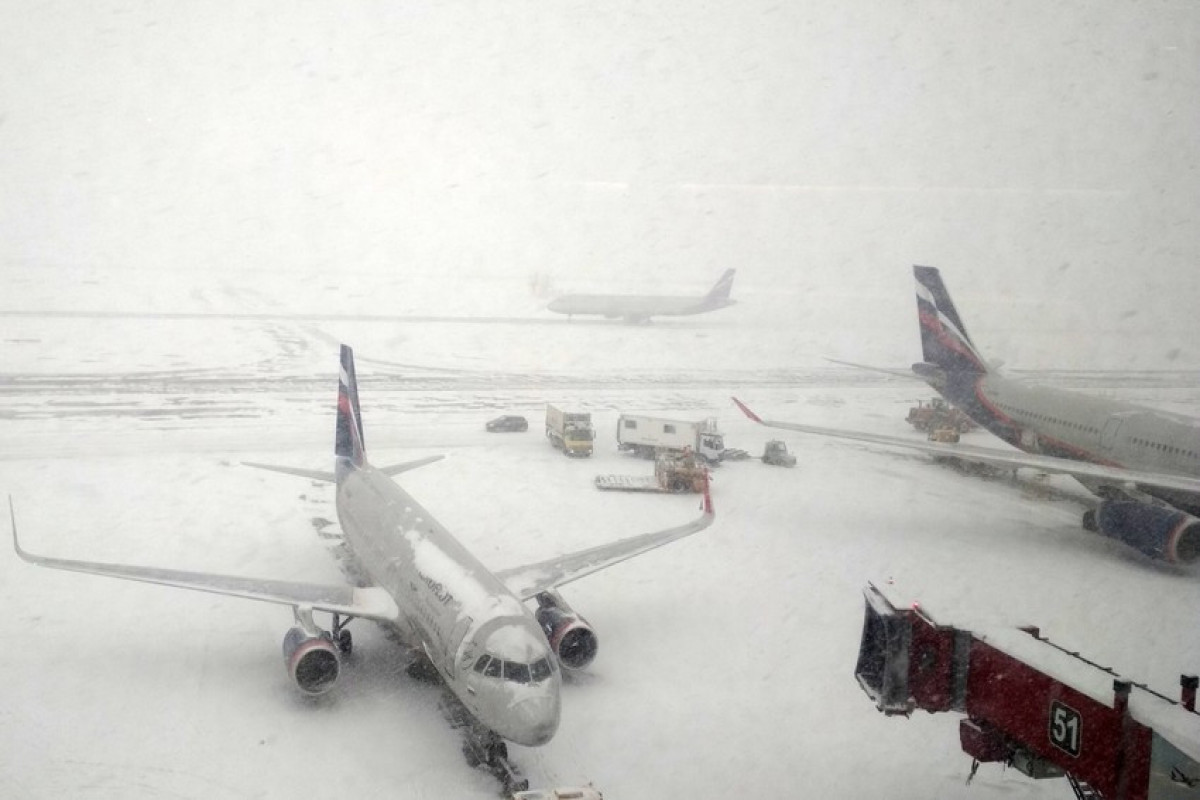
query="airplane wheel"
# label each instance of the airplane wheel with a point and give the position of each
(1089, 520)
(345, 642)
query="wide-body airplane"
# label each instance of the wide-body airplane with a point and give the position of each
(640, 308)
(502, 660)
(1143, 464)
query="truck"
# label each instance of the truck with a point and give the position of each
(650, 437)
(776, 453)
(570, 431)
(938, 414)
(674, 474)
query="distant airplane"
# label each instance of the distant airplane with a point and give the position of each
(640, 308)
(1142, 463)
(500, 659)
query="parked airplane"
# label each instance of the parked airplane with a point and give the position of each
(499, 658)
(1142, 463)
(640, 308)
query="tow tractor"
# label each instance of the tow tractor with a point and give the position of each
(776, 452)
(1032, 704)
(675, 474)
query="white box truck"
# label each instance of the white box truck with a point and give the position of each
(570, 431)
(650, 437)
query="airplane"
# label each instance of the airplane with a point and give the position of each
(640, 308)
(500, 659)
(1143, 464)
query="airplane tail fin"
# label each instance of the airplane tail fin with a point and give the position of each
(719, 294)
(348, 443)
(944, 339)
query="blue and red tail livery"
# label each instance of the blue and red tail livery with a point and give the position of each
(349, 441)
(944, 339)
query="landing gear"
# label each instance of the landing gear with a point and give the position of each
(481, 747)
(340, 636)
(1089, 520)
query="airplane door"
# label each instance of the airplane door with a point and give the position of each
(1108, 436)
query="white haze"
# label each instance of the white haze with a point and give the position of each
(295, 169)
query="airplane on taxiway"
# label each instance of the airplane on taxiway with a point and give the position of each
(500, 659)
(640, 308)
(1143, 464)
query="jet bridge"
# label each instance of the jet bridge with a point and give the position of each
(1032, 705)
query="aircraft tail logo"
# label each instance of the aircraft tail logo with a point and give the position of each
(944, 339)
(348, 443)
(719, 295)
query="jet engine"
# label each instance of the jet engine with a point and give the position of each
(312, 661)
(571, 637)
(1157, 531)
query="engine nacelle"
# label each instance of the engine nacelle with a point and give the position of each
(1157, 531)
(571, 638)
(312, 661)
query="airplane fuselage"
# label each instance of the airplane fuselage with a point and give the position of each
(453, 608)
(633, 307)
(1067, 424)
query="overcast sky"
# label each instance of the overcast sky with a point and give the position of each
(1014, 144)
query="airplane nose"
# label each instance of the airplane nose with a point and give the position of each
(535, 720)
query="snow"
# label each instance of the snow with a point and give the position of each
(726, 659)
(201, 202)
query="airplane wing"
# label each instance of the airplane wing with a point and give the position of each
(529, 581)
(907, 374)
(371, 603)
(1085, 470)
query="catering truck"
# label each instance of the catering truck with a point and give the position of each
(650, 437)
(570, 431)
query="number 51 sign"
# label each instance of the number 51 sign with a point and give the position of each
(1066, 728)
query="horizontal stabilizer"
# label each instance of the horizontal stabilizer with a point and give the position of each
(396, 469)
(315, 474)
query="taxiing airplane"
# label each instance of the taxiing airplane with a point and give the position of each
(502, 660)
(640, 308)
(1142, 463)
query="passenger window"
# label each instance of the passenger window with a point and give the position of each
(481, 663)
(540, 670)
(516, 672)
(493, 668)
(668, 428)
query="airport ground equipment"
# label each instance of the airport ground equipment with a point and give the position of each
(1032, 704)
(675, 474)
(570, 431)
(937, 413)
(776, 453)
(650, 437)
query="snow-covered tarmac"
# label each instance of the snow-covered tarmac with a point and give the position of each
(726, 662)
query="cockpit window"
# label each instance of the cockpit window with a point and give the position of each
(516, 672)
(491, 667)
(540, 670)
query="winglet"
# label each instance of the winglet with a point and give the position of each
(746, 410)
(12, 515)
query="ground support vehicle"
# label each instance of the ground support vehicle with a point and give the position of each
(1031, 704)
(650, 437)
(561, 793)
(570, 431)
(671, 474)
(936, 414)
(507, 423)
(776, 453)
(945, 435)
